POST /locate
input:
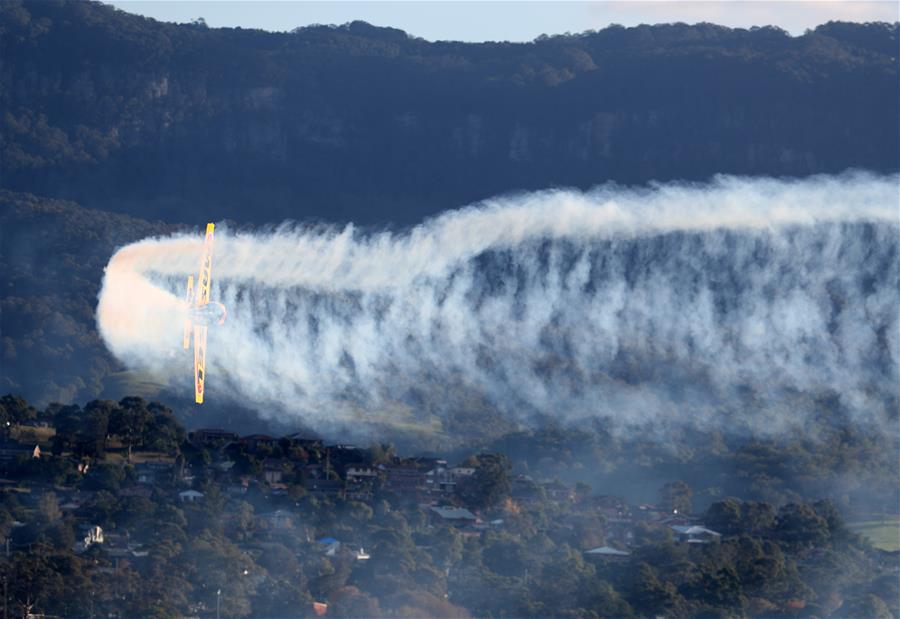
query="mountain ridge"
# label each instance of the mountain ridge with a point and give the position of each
(367, 124)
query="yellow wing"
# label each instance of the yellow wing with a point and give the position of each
(205, 277)
(199, 361)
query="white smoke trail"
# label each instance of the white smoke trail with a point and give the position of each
(740, 301)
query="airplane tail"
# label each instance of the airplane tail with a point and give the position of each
(187, 321)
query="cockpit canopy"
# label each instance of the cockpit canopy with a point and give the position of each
(208, 314)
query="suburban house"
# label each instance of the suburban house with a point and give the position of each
(324, 487)
(306, 442)
(558, 491)
(438, 479)
(695, 534)
(612, 508)
(138, 491)
(459, 472)
(455, 516)
(152, 473)
(358, 474)
(257, 441)
(211, 437)
(525, 490)
(404, 478)
(273, 470)
(280, 519)
(189, 496)
(329, 545)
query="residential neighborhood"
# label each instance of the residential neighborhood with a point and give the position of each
(293, 526)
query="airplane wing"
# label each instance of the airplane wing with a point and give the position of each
(199, 361)
(205, 277)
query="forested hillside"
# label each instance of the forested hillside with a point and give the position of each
(51, 264)
(101, 110)
(373, 125)
(125, 514)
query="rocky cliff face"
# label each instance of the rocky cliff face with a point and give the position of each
(371, 125)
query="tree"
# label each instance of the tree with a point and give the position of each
(869, 606)
(582, 490)
(281, 597)
(720, 589)
(652, 597)
(724, 517)
(332, 576)
(799, 524)
(135, 512)
(645, 533)
(280, 562)
(489, 485)
(34, 579)
(48, 510)
(758, 516)
(61, 535)
(758, 563)
(95, 428)
(15, 410)
(506, 556)
(107, 477)
(827, 510)
(350, 603)
(102, 507)
(284, 589)
(446, 547)
(163, 432)
(243, 518)
(67, 422)
(382, 453)
(600, 595)
(676, 496)
(216, 564)
(129, 421)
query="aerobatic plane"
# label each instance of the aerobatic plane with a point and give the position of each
(201, 314)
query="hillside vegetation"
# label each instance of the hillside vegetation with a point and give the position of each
(51, 265)
(376, 126)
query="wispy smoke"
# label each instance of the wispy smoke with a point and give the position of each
(743, 303)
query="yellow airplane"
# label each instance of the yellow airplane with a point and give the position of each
(201, 313)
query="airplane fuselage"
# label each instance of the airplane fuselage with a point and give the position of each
(201, 313)
(207, 314)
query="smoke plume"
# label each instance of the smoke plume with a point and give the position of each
(742, 304)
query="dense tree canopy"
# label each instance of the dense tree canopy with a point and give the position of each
(374, 125)
(258, 552)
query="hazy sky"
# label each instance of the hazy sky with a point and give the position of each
(511, 20)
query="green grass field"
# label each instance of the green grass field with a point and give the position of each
(29, 434)
(131, 383)
(884, 533)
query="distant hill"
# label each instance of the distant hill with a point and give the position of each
(113, 127)
(51, 265)
(183, 122)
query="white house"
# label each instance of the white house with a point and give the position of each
(606, 551)
(355, 473)
(695, 534)
(189, 496)
(452, 515)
